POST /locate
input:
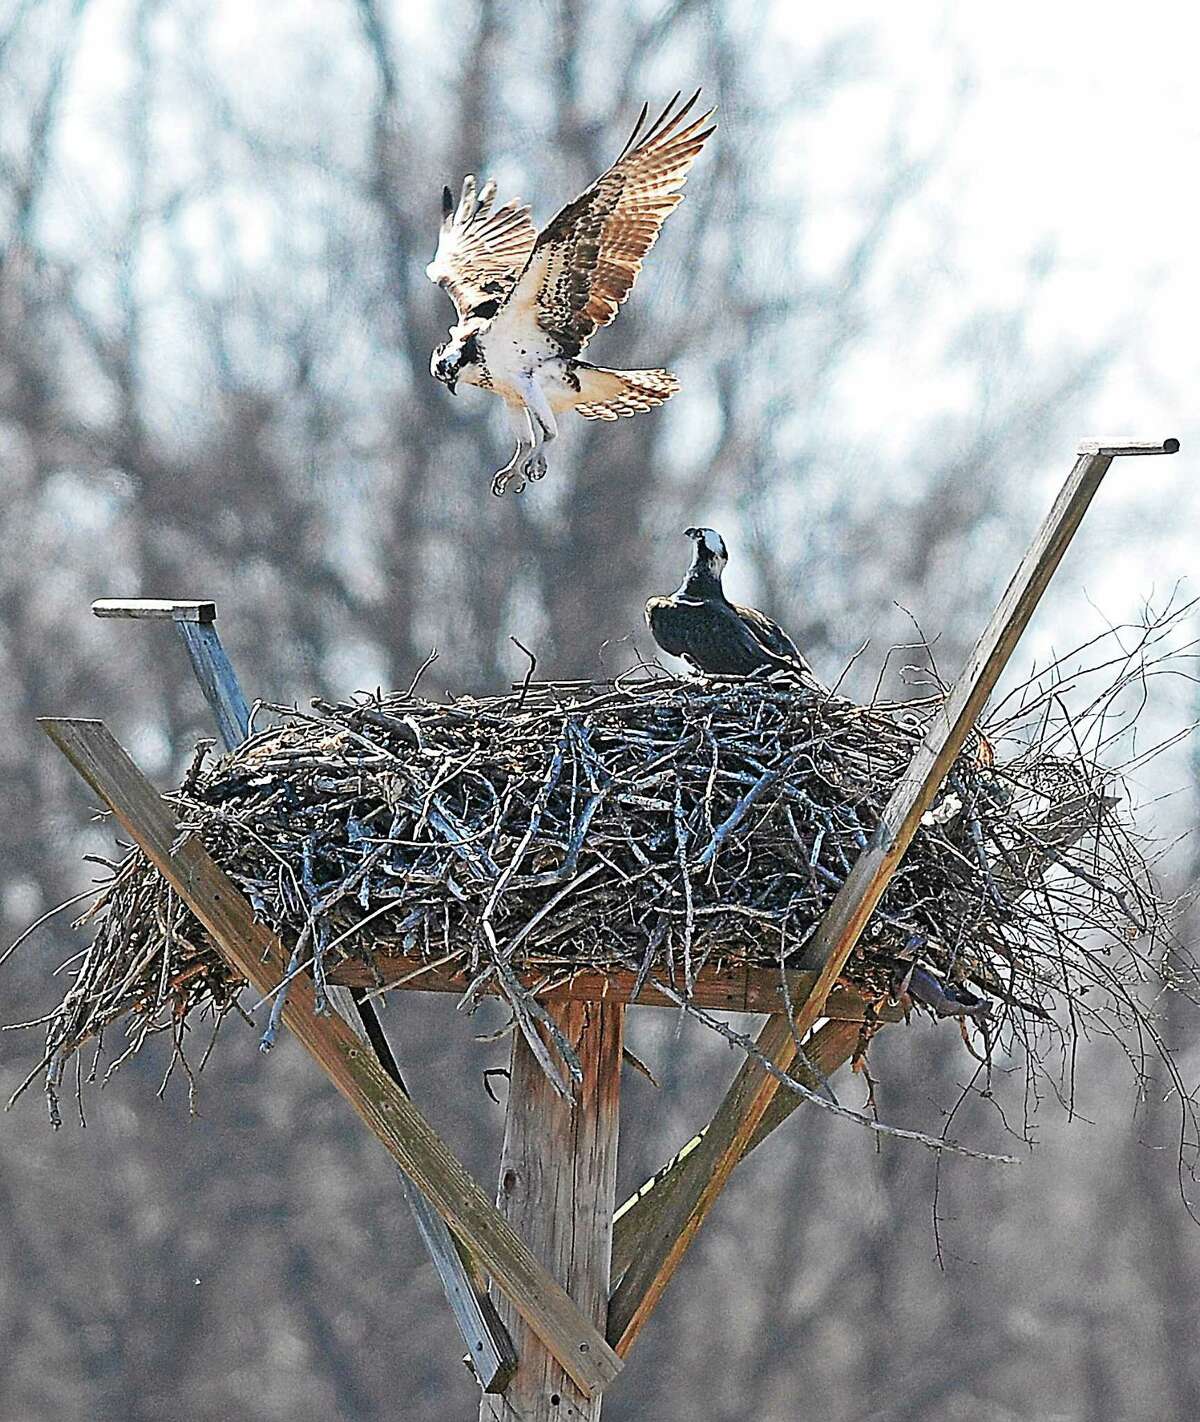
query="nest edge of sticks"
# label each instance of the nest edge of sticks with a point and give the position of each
(645, 826)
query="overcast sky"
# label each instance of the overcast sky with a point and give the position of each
(1079, 137)
(1082, 130)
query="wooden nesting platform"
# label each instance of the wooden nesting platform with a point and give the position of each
(572, 1289)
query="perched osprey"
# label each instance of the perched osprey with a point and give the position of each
(527, 303)
(716, 636)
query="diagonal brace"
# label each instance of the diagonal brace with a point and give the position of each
(829, 1048)
(490, 1352)
(257, 953)
(707, 1169)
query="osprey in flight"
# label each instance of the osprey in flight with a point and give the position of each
(528, 303)
(716, 636)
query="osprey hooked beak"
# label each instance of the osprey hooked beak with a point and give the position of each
(710, 548)
(445, 368)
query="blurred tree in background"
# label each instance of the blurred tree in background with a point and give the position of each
(214, 340)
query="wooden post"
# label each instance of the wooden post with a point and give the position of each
(558, 1175)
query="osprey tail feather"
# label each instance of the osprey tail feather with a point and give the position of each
(610, 394)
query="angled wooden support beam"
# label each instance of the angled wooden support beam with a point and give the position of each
(827, 1050)
(832, 1045)
(490, 1352)
(213, 670)
(258, 955)
(704, 1174)
(218, 681)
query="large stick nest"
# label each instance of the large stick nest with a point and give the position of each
(648, 825)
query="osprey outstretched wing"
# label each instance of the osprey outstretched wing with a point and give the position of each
(588, 257)
(480, 253)
(528, 307)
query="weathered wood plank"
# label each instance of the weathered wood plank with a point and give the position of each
(558, 1174)
(717, 987)
(828, 1049)
(257, 954)
(490, 1351)
(1114, 447)
(835, 1042)
(218, 681)
(177, 610)
(704, 1173)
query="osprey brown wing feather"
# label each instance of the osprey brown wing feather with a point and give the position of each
(768, 633)
(480, 253)
(588, 257)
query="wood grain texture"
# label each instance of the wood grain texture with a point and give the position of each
(717, 987)
(558, 1175)
(705, 1172)
(702, 1177)
(258, 955)
(864, 886)
(491, 1354)
(489, 1350)
(835, 1042)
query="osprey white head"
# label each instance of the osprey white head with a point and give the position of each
(455, 359)
(710, 549)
